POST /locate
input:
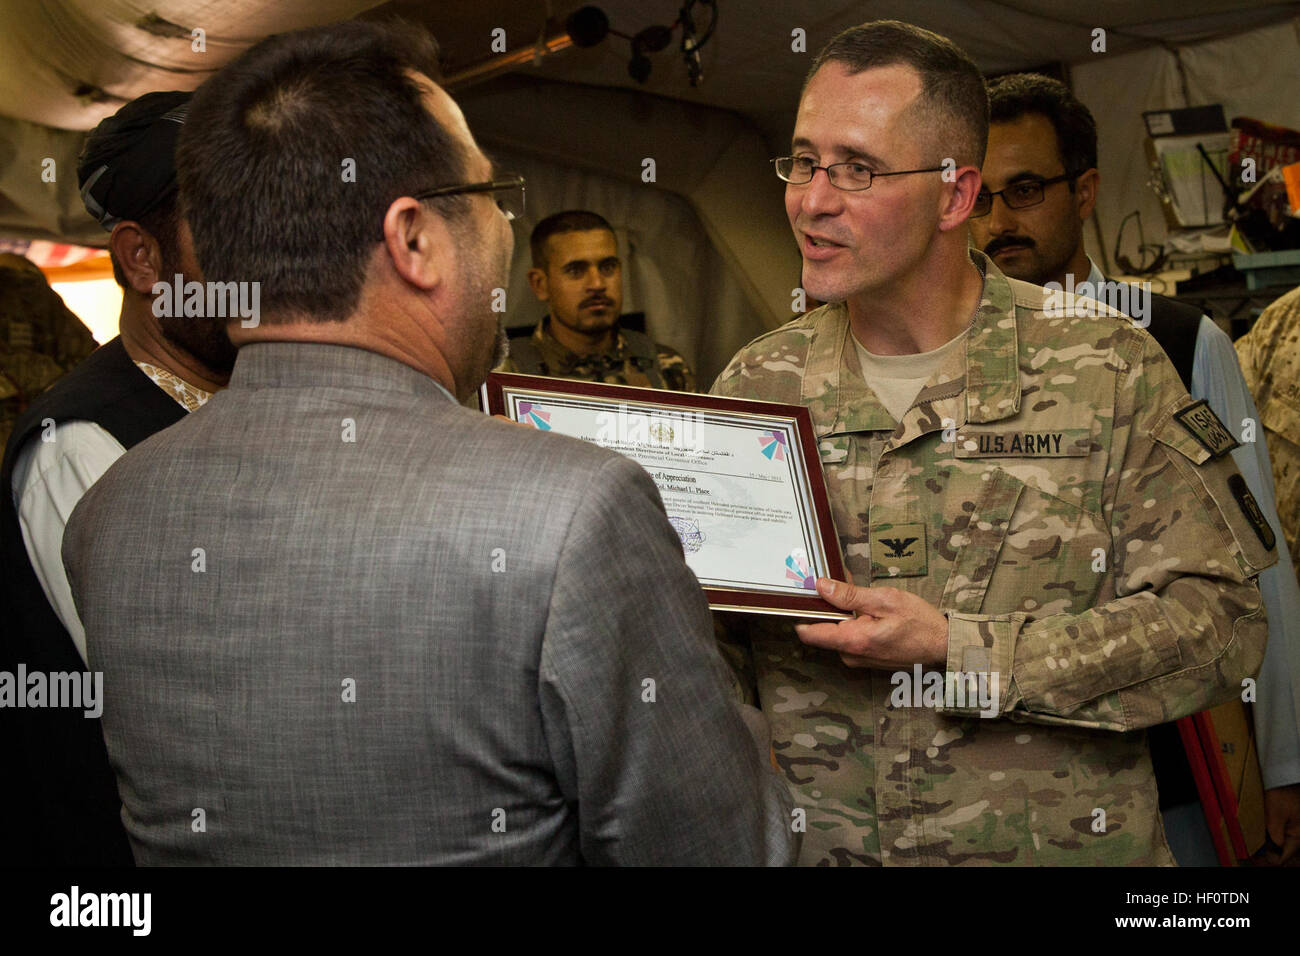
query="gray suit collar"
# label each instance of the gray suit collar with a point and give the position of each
(316, 365)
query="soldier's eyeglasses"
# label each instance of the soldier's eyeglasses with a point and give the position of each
(510, 201)
(1027, 192)
(851, 177)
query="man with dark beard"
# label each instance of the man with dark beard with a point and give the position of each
(578, 274)
(66, 809)
(1040, 185)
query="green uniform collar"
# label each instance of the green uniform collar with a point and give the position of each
(993, 382)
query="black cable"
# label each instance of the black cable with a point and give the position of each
(1125, 262)
(691, 44)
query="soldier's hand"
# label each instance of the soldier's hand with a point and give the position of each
(1282, 822)
(893, 629)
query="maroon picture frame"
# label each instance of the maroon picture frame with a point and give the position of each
(492, 399)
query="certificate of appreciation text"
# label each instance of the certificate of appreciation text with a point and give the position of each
(741, 481)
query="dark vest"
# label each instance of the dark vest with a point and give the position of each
(1175, 326)
(58, 801)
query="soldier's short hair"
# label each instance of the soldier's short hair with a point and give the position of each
(570, 220)
(1021, 94)
(952, 99)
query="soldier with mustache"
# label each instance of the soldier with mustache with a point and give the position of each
(578, 274)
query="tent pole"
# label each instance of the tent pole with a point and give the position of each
(485, 69)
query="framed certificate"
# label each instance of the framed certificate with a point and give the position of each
(741, 481)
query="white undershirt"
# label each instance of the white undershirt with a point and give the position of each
(896, 379)
(50, 476)
(49, 479)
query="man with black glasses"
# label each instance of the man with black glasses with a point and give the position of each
(1046, 538)
(343, 619)
(1029, 219)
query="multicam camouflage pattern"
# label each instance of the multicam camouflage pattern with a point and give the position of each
(1270, 359)
(40, 339)
(1171, 624)
(634, 360)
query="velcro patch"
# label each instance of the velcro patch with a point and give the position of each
(1035, 443)
(898, 551)
(1203, 425)
(976, 659)
(1250, 508)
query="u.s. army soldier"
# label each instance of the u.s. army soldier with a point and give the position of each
(1031, 495)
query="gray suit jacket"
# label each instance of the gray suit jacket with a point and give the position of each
(431, 644)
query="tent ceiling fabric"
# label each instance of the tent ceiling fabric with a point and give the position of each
(70, 63)
(712, 157)
(65, 64)
(749, 67)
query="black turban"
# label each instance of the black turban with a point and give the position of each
(127, 167)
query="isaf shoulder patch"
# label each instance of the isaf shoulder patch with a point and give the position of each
(1203, 425)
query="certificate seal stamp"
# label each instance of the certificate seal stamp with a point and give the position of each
(689, 532)
(662, 432)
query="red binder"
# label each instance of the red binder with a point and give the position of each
(1215, 786)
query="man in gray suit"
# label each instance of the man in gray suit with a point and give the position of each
(343, 619)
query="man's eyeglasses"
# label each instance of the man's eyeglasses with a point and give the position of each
(510, 189)
(851, 177)
(1027, 192)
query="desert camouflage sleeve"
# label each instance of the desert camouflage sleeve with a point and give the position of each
(1179, 624)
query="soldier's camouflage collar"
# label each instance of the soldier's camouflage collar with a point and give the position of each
(980, 383)
(562, 361)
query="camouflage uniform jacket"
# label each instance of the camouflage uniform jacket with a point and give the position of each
(635, 359)
(1045, 447)
(1270, 360)
(41, 339)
